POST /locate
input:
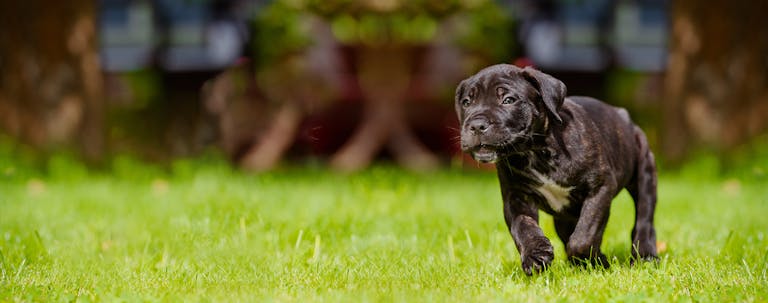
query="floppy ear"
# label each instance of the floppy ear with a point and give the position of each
(459, 92)
(552, 90)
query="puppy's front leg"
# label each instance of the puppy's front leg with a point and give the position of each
(522, 218)
(536, 252)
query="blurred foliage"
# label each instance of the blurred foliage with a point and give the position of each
(145, 87)
(139, 119)
(281, 28)
(633, 90)
(377, 30)
(487, 31)
(358, 8)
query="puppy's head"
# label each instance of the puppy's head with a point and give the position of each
(502, 108)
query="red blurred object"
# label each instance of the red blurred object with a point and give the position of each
(523, 62)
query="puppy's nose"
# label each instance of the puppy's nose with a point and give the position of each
(479, 125)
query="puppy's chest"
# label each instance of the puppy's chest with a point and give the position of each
(554, 195)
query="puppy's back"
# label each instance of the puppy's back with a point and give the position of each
(601, 112)
(611, 123)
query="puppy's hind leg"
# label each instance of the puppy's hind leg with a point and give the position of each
(564, 229)
(643, 191)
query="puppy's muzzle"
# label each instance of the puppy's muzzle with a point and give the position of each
(478, 126)
(475, 141)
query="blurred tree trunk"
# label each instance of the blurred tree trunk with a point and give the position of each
(717, 76)
(50, 77)
(384, 76)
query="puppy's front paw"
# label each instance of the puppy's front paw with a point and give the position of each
(537, 256)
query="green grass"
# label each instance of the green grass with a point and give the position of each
(199, 231)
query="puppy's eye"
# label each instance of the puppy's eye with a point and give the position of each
(508, 100)
(465, 102)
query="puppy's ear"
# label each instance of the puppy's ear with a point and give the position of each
(460, 89)
(552, 90)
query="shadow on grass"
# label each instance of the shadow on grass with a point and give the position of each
(619, 259)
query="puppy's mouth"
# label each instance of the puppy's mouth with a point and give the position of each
(485, 153)
(492, 153)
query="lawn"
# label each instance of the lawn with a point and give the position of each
(199, 231)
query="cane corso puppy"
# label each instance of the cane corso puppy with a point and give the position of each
(568, 156)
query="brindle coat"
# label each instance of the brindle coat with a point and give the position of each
(568, 156)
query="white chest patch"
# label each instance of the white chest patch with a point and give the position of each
(556, 195)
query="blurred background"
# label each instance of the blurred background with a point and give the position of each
(350, 83)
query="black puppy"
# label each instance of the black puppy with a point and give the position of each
(567, 156)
